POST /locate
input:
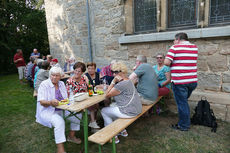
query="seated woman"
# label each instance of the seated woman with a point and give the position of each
(50, 92)
(163, 75)
(78, 83)
(42, 74)
(92, 75)
(127, 100)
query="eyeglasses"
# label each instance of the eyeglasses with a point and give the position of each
(115, 72)
(159, 57)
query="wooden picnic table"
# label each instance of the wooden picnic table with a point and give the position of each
(82, 106)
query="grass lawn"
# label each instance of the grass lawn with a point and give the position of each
(19, 133)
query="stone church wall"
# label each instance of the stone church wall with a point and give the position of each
(68, 35)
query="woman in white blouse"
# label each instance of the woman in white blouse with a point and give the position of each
(50, 92)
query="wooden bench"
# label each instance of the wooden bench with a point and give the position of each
(109, 132)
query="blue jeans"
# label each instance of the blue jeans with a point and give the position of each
(181, 94)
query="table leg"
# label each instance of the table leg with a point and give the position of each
(85, 127)
(114, 145)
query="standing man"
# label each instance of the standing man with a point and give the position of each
(35, 53)
(20, 63)
(147, 86)
(182, 58)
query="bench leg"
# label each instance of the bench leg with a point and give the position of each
(99, 147)
(114, 145)
(85, 127)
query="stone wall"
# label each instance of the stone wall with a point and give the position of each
(67, 29)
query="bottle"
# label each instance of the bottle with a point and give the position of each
(71, 96)
(90, 89)
(104, 84)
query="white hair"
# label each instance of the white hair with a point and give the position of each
(55, 70)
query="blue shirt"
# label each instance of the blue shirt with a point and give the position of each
(161, 74)
(33, 54)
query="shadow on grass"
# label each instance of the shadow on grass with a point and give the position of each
(19, 133)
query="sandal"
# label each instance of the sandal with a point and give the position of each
(74, 140)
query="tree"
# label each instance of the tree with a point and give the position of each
(22, 25)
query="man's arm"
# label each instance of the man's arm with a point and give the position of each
(167, 62)
(133, 77)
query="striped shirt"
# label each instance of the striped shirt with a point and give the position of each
(184, 63)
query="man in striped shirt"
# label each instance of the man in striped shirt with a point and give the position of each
(182, 59)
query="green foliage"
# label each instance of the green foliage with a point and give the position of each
(21, 26)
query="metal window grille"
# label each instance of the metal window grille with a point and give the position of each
(219, 11)
(182, 13)
(145, 15)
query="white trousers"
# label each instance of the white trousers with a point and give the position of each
(58, 123)
(110, 114)
(21, 72)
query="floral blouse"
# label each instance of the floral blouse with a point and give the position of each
(77, 87)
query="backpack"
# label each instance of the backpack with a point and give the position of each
(204, 115)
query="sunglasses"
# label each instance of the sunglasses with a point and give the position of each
(115, 72)
(159, 57)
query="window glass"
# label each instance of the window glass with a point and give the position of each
(181, 13)
(145, 15)
(219, 11)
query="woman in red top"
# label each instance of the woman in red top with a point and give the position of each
(79, 83)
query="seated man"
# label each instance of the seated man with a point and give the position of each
(35, 53)
(54, 63)
(147, 86)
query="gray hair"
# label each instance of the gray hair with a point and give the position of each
(142, 58)
(55, 70)
(18, 50)
(162, 54)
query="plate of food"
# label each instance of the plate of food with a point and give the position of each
(81, 96)
(100, 92)
(64, 102)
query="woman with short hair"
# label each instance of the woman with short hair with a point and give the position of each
(163, 75)
(127, 100)
(79, 83)
(94, 79)
(50, 92)
(92, 75)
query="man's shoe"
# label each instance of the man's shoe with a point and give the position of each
(94, 125)
(177, 127)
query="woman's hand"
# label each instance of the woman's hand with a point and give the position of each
(47, 103)
(117, 79)
(54, 102)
